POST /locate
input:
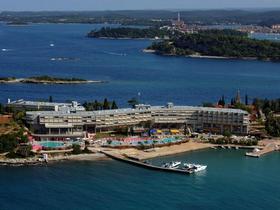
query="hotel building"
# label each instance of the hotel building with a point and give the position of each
(68, 123)
(22, 105)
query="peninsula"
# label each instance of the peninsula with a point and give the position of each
(48, 80)
(129, 33)
(218, 44)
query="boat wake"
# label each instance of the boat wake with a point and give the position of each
(113, 53)
(5, 50)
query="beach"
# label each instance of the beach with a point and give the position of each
(158, 152)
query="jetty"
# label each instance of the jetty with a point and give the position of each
(265, 150)
(123, 158)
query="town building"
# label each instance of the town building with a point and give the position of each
(276, 26)
(68, 124)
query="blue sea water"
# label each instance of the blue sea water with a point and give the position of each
(122, 63)
(231, 181)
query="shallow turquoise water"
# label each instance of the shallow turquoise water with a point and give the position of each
(232, 181)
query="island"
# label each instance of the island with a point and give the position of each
(48, 80)
(17, 23)
(129, 33)
(218, 44)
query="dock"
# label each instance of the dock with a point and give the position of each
(267, 149)
(142, 164)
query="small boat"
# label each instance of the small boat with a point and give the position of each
(236, 147)
(5, 50)
(172, 165)
(51, 45)
(256, 150)
(195, 167)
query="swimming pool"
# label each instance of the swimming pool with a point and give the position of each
(52, 144)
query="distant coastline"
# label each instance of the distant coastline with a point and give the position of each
(125, 38)
(47, 80)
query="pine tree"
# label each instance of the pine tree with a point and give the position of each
(222, 102)
(106, 105)
(133, 102)
(114, 105)
(1, 109)
(96, 105)
(246, 100)
(51, 99)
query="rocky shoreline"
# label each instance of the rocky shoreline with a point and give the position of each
(36, 161)
(202, 56)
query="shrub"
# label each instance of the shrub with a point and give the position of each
(76, 149)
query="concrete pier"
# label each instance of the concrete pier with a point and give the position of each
(119, 157)
(267, 149)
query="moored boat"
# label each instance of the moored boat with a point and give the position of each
(195, 167)
(172, 165)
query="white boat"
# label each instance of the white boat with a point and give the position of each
(172, 165)
(6, 50)
(51, 45)
(195, 167)
(256, 150)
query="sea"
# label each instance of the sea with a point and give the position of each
(35, 49)
(231, 181)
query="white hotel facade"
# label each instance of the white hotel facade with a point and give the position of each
(69, 123)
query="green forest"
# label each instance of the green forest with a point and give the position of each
(125, 32)
(224, 43)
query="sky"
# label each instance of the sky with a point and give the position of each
(38, 5)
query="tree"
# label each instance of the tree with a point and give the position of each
(133, 102)
(207, 104)
(106, 104)
(8, 142)
(233, 102)
(24, 150)
(1, 108)
(114, 105)
(222, 102)
(76, 149)
(272, 125)
(97, 105)
(246, 100)
(227, 133)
